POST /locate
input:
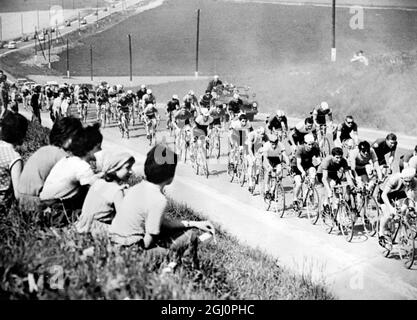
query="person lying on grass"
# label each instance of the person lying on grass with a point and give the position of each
(69, 179)
(104, 197)
(141, 218)
(13, 131)
(40, 163)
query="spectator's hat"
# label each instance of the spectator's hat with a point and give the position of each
(114, 161)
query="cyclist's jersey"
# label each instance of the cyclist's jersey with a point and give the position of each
(130, 98)
(320, 115)
(300, 128)
(123, 105)
(102, 97)
(190, 100)
(140, 93)
(395, 183)
(256, 140)
(112, 93)
(358, 161)
(273, 156)
(276, 123)
(345, 131)
(306, 156)
(149, 98)
(381, 149)
(150, 111)
(182, 117)
(217, 116)
(172, 105)
(201, 124)
(82, 98)
(239, 133)
(335, 170)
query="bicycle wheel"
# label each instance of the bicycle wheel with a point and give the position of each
(346, 221)
(217, 146)
(328, 220)
(313, 205)
(325, 147)
(279, 199)
(231, 167)
(370, 215)
(203, 164)
(406, 246)
(242, 172)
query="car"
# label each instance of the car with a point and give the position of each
(83, 21)
(67, 23)
(41, 36)
(21, 81)
(250, 105)
(11, 45)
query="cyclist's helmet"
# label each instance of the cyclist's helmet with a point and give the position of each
(216, 77)
(149, 91)
(129, 91)
(175, 97)
(191, 92)
(235, 96)
(309, 138)
(324, 106)
(408, 173)
(280, 113)
(273, 138)
(142, 86)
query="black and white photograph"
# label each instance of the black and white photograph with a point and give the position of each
(226, 152)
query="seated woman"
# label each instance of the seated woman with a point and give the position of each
(40, 163)
(13, 131)
(68, 177)
(105, 195)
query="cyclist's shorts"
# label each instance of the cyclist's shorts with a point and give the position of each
(298, 137)
(320, 179)
(274, 161)
(216, 122)
(361, 172)
(150, 116)
(392, 196)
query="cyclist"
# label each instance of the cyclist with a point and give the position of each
(330, 173)
(306, 160)
(101, 102)
(345, 131)
(172, 106)
(398, 186)
(254, 141)
(181, 121)
(191, 101)
(405, 158)
(239, 129)
(273, 152)
(385, 146)
(205, 101)
(218, 113)
(141, 92)
(148, 98)
(151, 119)
(361, 157)
(83, 103)
(278, 124)
(300, 130)
(131, 102)
(214, 83)
(201, 128)
(123, 112)
(319, 114)
(235, 106)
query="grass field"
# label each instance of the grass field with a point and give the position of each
(282, 52)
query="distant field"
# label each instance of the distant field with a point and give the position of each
(28, 5)
(282, 52)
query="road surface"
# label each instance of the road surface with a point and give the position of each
(353, 270)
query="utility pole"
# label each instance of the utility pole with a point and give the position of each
(91, 62)
(49, 49)
(333, 53)
(97, 12)
(197, 42)
(37, 12)
(1, 30)
(68, 72)
(79, 22)
(130, 57)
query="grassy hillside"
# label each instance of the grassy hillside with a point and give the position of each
(26, 5)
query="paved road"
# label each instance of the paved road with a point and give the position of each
(352, 270)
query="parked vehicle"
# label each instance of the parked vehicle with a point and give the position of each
(11, 45)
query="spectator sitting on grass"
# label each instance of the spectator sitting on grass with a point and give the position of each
(359, 56)
(70, 177)
(13, 131)
(40, 163)
(104, 197)
(141, 218)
